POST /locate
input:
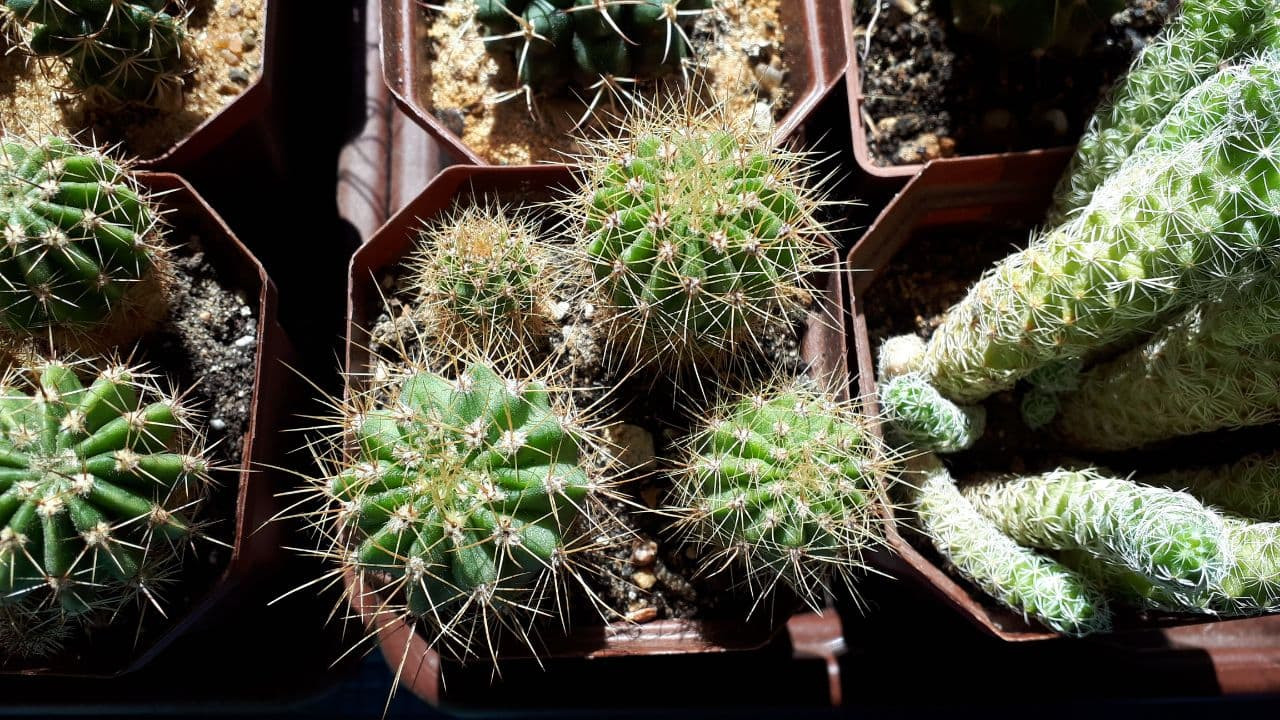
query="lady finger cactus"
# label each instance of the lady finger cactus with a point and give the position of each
(99, 481)
(81, 251)
(464, 502)
(1249, 487)
(117, 51)
(699, 233)
(919, 416)
(1015, 576)
(1166, 536)
(1034, 25)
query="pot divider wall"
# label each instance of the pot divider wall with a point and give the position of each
(812, 50)
(822, 346)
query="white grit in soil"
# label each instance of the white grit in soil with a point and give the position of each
(225, 46)
(741, 51)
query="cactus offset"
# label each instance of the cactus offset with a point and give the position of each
(1167, 537)
(81, 251)
(1017, 577)
(699, 233)
(115, 51)
(1249, 487)
(919, 416)
(789, 483)
(1034, 25)
(465, 502)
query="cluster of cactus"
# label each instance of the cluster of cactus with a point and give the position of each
(115, 51)
(465, 502)
(1249, 487)
(81, 252)
(787, 482)
(586, 42)
(699, 233)
(1034, 25)
(101, 475)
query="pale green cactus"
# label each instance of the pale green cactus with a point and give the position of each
(1249, 487)
(918, 415)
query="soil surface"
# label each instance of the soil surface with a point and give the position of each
(932, 92)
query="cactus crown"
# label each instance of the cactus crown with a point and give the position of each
(464, 501)
(81, 248)
(99, 481)
(788, 482)
(698, 231)
(116, 51)
(1028, 25)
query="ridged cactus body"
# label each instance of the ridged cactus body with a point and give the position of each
(1034, 25)
(81, 246)
(787, 482)
(698, 231)
(98, 482)
(467, 495)
(119, 51)
(1017, 577)
(1167, 537)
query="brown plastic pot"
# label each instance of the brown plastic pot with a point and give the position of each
(253, 547)
(822, 346)
(813, 47)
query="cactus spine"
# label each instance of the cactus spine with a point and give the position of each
(1017, 577)
(115, 51)
(789, 483)
(1029, 25)
(81, 251)
(699, 233)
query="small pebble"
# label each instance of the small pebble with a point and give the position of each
(906, 6)
(238, 76)
(642, 615)
(588, 311)
(249, 39)
(230, 57)
(644, 554)
(218, 424)
(204, 316)
(452, 119)
(1055, 121)
(559, 309)
(632, 446)
(234, 10)
(245, 311)
(644, 579)
(244, 342)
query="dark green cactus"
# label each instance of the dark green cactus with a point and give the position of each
(81, 245)
(116, 51)
(790, 484)
(464, 501)
(1034, 25)
(98, 483)
(585, 41)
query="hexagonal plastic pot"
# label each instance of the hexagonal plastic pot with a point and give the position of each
(253, 548)
(813, 43)
(822, 345)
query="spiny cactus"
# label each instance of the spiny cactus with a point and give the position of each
(1249, 487)
(1166, 536)
(699, 232)
(464, 501)
(115, 51)
(787, 482)
(1217, 366)
(81, 251)
(919, 416)
(1034, 25)
(590, 43)
(1017, 577)
(484, 280)
(99, 482)
(28, 633)
(1205, 35)
(1189, 215)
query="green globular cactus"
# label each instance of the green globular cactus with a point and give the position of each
(1034, 25)
(1217, 366)
(1167, 537)
(99, 481)
(788, 483)
(1205, 36)
(115, 51)
(586, 42)
(1015, 576)
(1191, 214)
(1249, 487)
(484, 280)
(699, 233)
(919, 416)
(81, 251)
(464, 502)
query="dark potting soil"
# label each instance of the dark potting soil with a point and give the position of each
(931, 92)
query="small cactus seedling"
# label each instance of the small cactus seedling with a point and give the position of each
(1034, 25)
(484, 280)
(81, 252)
(790, 484)
(1017, 577)
(463, 503)
(1163, 535)
(699, 233)
(98, 484)
(115, 51)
